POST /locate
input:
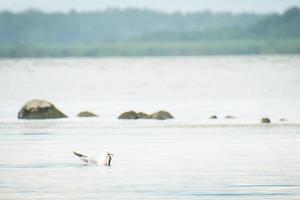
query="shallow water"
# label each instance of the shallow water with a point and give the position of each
(253, 162)
(190, 157)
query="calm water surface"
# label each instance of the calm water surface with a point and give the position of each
(190, 157)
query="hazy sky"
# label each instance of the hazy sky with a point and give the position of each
(259, 6)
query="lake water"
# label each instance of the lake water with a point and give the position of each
(190, 157)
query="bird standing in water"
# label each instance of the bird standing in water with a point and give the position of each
(86, 160)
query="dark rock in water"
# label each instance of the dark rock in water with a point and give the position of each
(265, 120)
(134, 115)
(87, 114)
(229, 117)
(161, 115)
(40, 109)
(129, 115)
(142, 115)
(283, 120)
(214, 117)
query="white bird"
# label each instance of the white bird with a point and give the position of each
(91, 161)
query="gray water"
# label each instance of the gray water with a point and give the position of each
(190, 157)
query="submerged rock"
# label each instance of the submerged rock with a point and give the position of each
(265, 120)
(229, 117)
(86, 114)
(40, 109)
(161, 115)
(214, 117)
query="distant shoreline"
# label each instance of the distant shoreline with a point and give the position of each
(138, 32)
(140, 49)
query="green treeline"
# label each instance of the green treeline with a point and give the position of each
(134, 32)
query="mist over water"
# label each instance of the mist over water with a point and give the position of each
(190, 157)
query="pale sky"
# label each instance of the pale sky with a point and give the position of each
(237, 6)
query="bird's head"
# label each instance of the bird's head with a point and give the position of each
(108, 153)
